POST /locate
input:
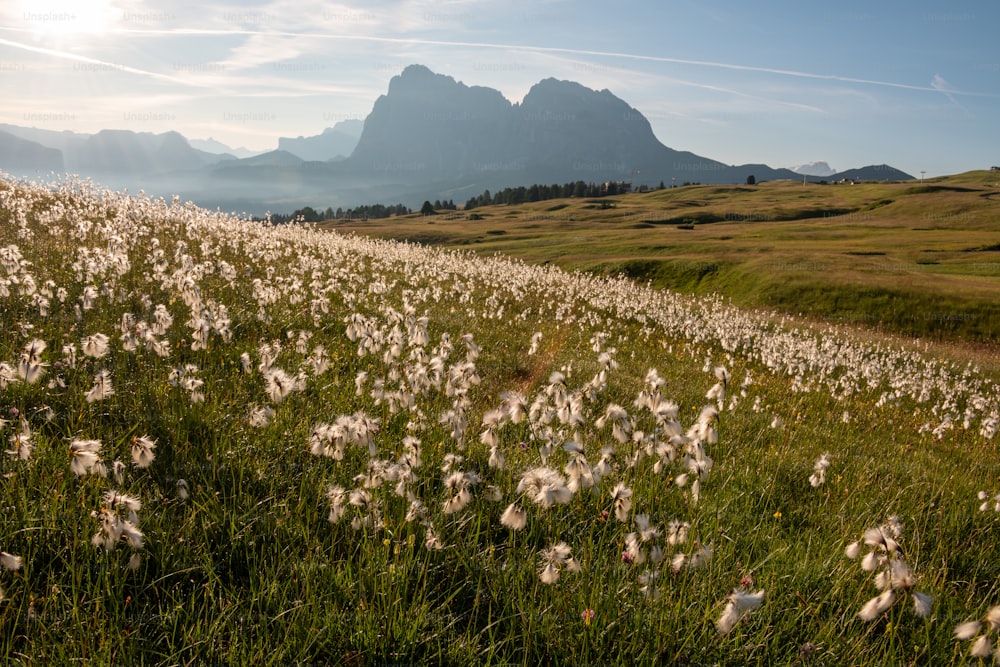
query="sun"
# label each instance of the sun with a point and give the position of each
(68, 17)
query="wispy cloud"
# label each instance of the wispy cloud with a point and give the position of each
(67, 55)
(940, 84)
(528, 48)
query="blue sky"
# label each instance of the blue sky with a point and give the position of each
(913, 84)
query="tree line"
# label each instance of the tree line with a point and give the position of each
(540, 192)
(364, 212)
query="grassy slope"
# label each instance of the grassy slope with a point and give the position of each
(249, 571)
(919, 260)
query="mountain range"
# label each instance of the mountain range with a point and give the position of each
(427, 137)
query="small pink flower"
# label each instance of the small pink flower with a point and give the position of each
(587, 615)
(746, 581)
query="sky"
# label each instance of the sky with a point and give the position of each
(912, 84)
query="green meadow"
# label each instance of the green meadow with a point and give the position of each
(917, 259)
(229, 443)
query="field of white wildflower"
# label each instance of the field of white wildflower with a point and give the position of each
(228, 442)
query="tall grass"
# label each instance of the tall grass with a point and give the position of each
(241, 564)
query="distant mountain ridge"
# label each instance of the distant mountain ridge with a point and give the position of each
(333, 143)
(428, 137)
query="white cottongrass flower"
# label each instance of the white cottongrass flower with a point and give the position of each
(95, 345)
(142, 451)
(30, 369)
(496, 459)
(337, 498)
(818, 478)
(260, 416)
(183, 492)
(86, 458)
(677, 532)
(431, 540)
(545, 487)
(740, 603)
(983, 646)
(967, 630)
(459, 483)
(640, 545)
(514, 517)
(10, 561)
(8, 375)
(922, 604)
(987, 501)
(102, 387)
(554, 559)
(22, 442)
(536, 338)
(894, 577)
(621, 498)
(878, 605)
(118, 472)
(278, 384)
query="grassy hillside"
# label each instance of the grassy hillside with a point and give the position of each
(229, 443)
(916, 259)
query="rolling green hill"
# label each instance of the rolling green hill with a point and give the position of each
(233, 443)
(917, 259)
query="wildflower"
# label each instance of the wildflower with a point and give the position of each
(648, 581)
(336, 495)
(514, 517)
(536, 338)
(417, 511)
(587, 615)
(459, 483)
(677, 532)
(982, 647)
(8, 376)
(987, 501)
(922, 604)
(967, 630)
(102, 387)
(95, 345)
(431, 540)
(278, 384)
(496, 458)
(22, 442)
(877, 605)
(142, 451)
(818, 478)
(621, 496)
(10, 561)
(740, 604)
(33, 351)
(894, 576)
(134, 561)
(260, 416)
(554, 559)
(118, 472)
(701, 555)
(990, 624)
(545, 487)
(182, 489)
(85, 457)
